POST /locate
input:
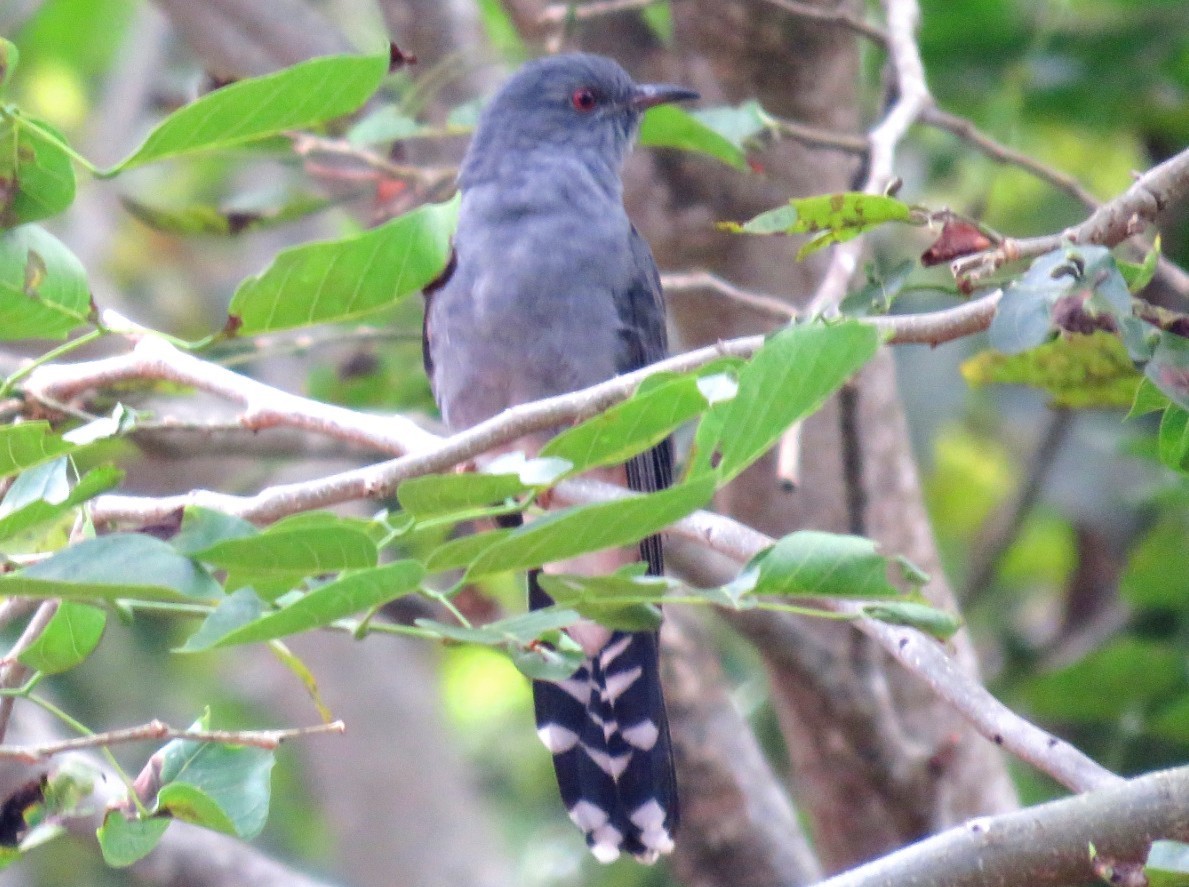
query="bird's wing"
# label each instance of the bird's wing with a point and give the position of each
(428, 293)
(643, 341)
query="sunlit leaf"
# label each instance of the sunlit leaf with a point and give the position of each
(787, 379)
(298, 97)
(667, 126)
(339, 280)
(832, 218)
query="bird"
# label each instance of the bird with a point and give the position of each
(550, 289)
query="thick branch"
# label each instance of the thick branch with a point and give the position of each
(1043, 845)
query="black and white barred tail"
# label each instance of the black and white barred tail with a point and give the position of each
(609, 736)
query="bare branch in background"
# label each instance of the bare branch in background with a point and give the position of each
(156, 730)
(912, 97)
(767, 306)
(841, 17)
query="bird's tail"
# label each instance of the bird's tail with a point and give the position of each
(609, 736)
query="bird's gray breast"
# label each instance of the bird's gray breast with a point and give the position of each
(529, 311)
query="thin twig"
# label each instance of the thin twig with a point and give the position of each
(838, 16)
(969, 133)
(12, 672)
(769, 306)
(819, 137)
(156, 730)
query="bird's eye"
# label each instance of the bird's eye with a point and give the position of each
(584, 99)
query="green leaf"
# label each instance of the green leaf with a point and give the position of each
(1139, 276)
(218, 221)
(1167, 864)
(461, 552)
(22, 511)
(1148, 399)
(659, 18)
(387, 123)
(320, 548)
(553, 661)
(1125, 675)
(938, 623)
(9, 56)
(43, 287)
(339, 280)
(810, 563)
(203, 528)
(1152, 580)
(299, 97)
(36, 173)
(121, 565)
(833, 218)
(738, 124)
(631, 427)
(432, 495)
(501, 31)
(1173, 439)
(71, 635)
(124, 841)
(1169, 368)
(623, 600)
(1076, 287)
(29, 444)
(218, 786)
(560, 535)
(515, 630)
(335, 600)
(238, 609)
(786, 380)
(667, 126)
(1078, 371)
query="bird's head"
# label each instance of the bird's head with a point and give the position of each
(564, 103)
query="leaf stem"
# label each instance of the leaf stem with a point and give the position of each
(51, 355)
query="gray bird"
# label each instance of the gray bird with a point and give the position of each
(552, 289)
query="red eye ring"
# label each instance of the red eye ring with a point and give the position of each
(584, 99)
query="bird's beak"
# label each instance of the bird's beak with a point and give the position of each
(650, 94)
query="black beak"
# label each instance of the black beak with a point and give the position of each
(648, 95)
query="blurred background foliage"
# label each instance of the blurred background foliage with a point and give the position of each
(1064, 533)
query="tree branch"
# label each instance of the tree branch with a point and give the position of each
(841, 17)
(1110, 224)
(156, 730)
(1043, 845)
(912, 97)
